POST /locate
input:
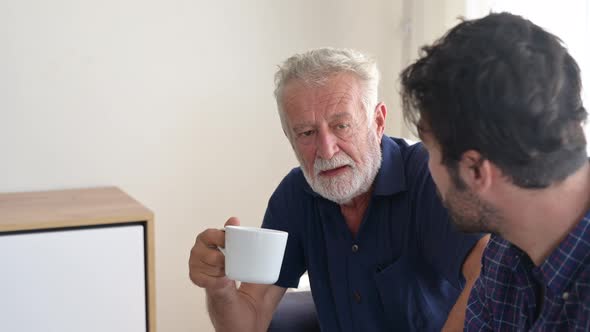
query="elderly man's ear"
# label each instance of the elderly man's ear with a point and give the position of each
(380, 115)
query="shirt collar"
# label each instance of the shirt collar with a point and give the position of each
(390, 178)
(512, 255)
(572, 254)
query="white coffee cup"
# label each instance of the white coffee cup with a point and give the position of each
(254, 255)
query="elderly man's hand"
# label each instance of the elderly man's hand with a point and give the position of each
(206, 262)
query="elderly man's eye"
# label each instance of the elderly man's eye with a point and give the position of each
(306, 133)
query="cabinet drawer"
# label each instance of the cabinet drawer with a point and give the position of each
(90, 278)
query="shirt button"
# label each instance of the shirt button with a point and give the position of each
(355, 248)
(357, 296)
(565, 296)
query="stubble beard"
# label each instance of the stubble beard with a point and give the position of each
(469, 214)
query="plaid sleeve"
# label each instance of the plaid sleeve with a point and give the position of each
(477, 317)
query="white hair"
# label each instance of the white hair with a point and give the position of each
(316, 66)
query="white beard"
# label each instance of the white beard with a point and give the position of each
(353, 182)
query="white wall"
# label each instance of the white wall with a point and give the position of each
(172, 101)
(567, 19)
(425, 21)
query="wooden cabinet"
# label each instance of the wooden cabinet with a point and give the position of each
(76, 260)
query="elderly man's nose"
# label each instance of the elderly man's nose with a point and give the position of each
(327, 145)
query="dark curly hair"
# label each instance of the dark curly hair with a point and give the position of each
(506, 88)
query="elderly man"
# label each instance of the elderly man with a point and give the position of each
(497, 103)
(361, 211)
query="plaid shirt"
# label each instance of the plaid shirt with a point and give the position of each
(512, 294)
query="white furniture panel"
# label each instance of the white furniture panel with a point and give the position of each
(88, 279)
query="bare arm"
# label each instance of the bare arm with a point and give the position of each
(471, 270)
(248, 308)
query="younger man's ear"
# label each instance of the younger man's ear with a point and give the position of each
(475, 170)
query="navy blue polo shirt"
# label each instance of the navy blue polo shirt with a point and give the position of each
(401, 272)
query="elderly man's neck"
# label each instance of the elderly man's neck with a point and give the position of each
(354, 211)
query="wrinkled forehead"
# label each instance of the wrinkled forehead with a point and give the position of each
(342, 88)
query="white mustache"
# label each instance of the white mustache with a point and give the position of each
(339, 160)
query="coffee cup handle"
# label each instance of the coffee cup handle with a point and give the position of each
(222, 250)
(212, 246)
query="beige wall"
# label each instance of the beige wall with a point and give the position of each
(172, 101)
